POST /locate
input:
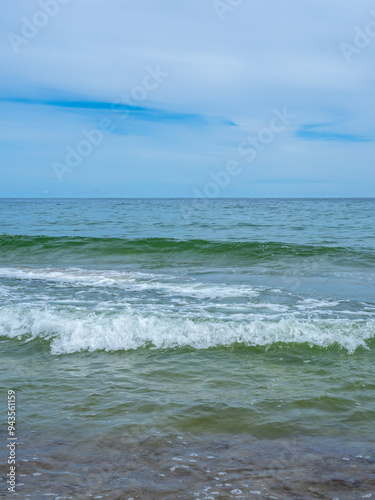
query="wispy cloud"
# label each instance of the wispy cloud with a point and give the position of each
(139, 112)
(319, 132)
(295, 180)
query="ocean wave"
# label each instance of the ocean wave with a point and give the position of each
(70, 331)
(165, 250)
(154, 293)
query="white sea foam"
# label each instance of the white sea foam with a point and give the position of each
(74, 330)
(314, 303)
(130, 281)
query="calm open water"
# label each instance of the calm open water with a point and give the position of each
(182, 349)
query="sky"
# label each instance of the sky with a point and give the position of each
(198, 98)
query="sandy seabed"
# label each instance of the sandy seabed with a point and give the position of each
(203, 467)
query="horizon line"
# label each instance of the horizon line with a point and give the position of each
(186, 198)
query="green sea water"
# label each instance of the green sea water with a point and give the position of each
(147, 335)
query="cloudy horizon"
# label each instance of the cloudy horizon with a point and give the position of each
(172, 99)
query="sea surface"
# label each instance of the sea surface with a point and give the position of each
(212, 349)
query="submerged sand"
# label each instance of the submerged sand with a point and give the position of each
(201, 467)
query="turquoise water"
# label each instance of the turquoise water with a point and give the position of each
(222, 324)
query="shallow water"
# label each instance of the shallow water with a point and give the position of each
(246, 327)
(205, 466)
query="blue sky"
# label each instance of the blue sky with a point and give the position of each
(153, 99)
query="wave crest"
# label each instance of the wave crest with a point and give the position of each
(73, 331)
(164, 249)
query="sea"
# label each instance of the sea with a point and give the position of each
(188, 349)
